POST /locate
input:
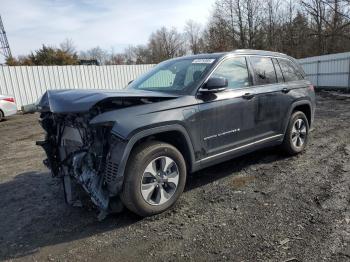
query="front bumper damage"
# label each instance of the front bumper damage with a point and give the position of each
(80, 145)
(84, 156)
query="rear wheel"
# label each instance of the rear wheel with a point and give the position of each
(296, 136)
(154, 179)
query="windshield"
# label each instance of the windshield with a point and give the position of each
(174, 76)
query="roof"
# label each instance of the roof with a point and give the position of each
(237, 51)
(257, 52)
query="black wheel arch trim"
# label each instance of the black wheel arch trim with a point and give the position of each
(291, 109)
(153, 131)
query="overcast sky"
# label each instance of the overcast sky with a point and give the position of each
(89, 23)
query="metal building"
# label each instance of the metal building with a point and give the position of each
(328, 71)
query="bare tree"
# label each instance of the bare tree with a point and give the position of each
(337, 23)
(242, 20)
(216, 36)
(240, 23)
(166, 43)
(300, 40)
(96, 53)
(116, 59)
(223, 30)
(139, 54)
(287, 30)
(129, 55)
(341, 7)
(226, 9)
(253, 13)
(193, 35)
(272, 22)
(68, 46)
(316, 9)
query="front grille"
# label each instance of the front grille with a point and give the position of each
(111, 172)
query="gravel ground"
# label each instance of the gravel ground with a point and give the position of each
(260, 207)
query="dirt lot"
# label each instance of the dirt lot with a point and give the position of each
(261, 207)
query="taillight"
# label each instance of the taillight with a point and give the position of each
(9, 99)
(311, 88)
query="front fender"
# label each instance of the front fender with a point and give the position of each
(121, 149)
(152, 131)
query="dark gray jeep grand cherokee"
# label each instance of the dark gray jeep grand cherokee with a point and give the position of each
(135, 147)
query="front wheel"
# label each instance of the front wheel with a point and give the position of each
(296, 136)
(154, 179)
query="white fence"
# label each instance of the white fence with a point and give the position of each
(328, 71)
(28, 83)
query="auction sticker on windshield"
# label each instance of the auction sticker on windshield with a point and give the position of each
(203, 61)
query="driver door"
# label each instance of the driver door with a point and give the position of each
(227, 117)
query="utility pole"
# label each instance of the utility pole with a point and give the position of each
(4, 44)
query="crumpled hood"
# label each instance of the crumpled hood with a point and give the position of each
(81, 100)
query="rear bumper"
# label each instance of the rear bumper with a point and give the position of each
(10, 112)
(9, 108)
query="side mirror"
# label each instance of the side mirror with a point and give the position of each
(215, 84)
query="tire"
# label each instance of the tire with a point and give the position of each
(2, 116)
(296, 136)
(140, 181)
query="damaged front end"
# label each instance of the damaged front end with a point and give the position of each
(81, 144)
(79, 153)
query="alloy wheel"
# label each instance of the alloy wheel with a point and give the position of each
(160, 180)
(299, 133)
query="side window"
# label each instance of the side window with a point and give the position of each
(288, 70)
(194, 73)
(264, 70)
(279, 75)
(235, 70)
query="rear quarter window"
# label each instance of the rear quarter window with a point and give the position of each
(290, 72)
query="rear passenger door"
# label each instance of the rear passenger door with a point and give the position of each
(271, 102)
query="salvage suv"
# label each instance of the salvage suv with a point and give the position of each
(134, 147)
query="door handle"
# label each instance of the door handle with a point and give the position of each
(248, 96)
(285, 90)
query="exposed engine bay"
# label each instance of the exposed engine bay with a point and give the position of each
(78, 152)
(87, 155)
